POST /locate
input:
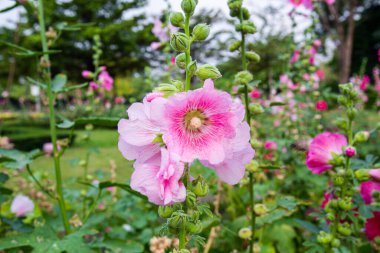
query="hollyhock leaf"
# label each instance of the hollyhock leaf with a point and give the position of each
(3, 177)
(124, 187)
(365, 211)
(5, 191)
(66, 124)
(15, 159)
(254, 83)
(59, 83)
(307, 225)
(287, 202)
(120, 246)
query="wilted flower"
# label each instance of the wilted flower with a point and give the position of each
(321, 151)
(22, 205)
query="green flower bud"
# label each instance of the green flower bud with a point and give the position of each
(344, 229)
(345, 204)
(361, 136)
(177, 19)
(208, 71)
(178, 84)
(245, 233)
(165, 211)
(330, 217)
(188, 6)
(341, 123)
(252, 56)
(246, 27)
(194, 228)
(253, 166)
(192, 68)
(180, 60)
(256, 109)
(260, 209)
(191, 199)
(338, 180)
(343, 101)
(324, 238)
(241, 89)
(235, 4)
(243, 77)
(335, 243)
(179, 41)
(377, 240)
(235, 45)
(351, 113)
(200, 187)
(337, 160)
(246, 14)
(256, 144)
(201, 32)
(362, 175)
(175, 221)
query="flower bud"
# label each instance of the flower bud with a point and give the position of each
(208, 71)
(335, 243)
(351, 113)
(180, 60)
(361, 136)
(344, 229)
(377, 240)
(345, 204)
(362, 174)
(350, 151)
(235, 4)
(200, 187)
(243, 77)
(235, 45)
(337, 160)
(179, 41)
(330, 216)
(253, 56)
(253, 166)
(177, 19)
(256, 109)
(245, 233)
(201, 32)
(341, 123)
(260, 209)
(165, 211)
(375, 174)
(191, 199)
(324, 237)
(51, 34)
(192, 68)
(175, 221)
(343, 101)
(248, 27)
(194, 228)
(338, 180)
(246, 14)
(188, 6)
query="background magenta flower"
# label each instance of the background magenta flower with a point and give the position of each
(271, 145)
(106, 80)
(87, 74)
(321, 105)
(367, 189)
(160, 181)
(350, 151)
(94, 85)
(22, 205)
(201, 123)
(321, 149)
(364, 83)
(372, 226)
(138, 132)
(255, 93)
(375, 174)
(48, 148)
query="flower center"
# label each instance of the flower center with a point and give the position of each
(194, 120)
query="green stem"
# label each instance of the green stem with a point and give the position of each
(187, 53)
(182, 238)
(248, 117)
(57, 166)
(38, 182)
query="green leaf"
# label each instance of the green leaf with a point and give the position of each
(124, 187)
(307, 225)
(3, 177)
(255, 83)
(59, 83)
(287, 202)
(271, 217)
(277, 104)
(35, 82)
(5, 191)
(66, 124)
(365, 212)
(16, 159)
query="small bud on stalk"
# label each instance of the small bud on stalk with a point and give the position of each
(253, 56)
(208, 71)
(192, 68)
(235, 45)
(179, 41)
(350, 151)
(243, 77)
(180, 61)
(188, 6)
(201, 32)
(245, 233)
(177, 19)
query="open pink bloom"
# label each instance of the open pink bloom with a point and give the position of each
(86, 74)
(375, 174)
(94, 85)
(139, 131)
(296, 2)
(317, 43)
(321, 74)
(201, 123)
(295, 57)
(22, 205)
(239, 154)
(150, 96)
(330, 2)
(106, 80)
(321, 105)
(270, 145)
(364, 83)
(160, 181)
(367, 189)
(321, 149)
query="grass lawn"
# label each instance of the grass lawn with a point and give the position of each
(102, 146)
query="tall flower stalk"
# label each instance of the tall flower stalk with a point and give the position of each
(56, 156)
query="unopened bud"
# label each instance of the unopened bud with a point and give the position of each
(324, 237)
(361, 136)
(179, 41)
(260, 209)
(344, 229)
(188, 6)
(51, 34)
(194, 228)
(235, 45)
(245, 233)
(341, 123)
(335, 243)
(350, 151)
(243, 77)
(208, 71)
(201, 32)
(351, 113)
(246, 14)
(256, 108)
(165, 211)
(200, 187)
(345, 204)
(362, 174)
(177, 19)
(253, 166)
(180, 60)
(191, 199)
(253, 56)
(192, 68)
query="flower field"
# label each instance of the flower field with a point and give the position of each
(189, 126)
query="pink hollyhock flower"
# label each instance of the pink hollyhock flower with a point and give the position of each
(308, 4)
(137, 134)
(239, 154)
(119, 100)
(367, 189)
(330, 2)
(276, 123)
(268, 156)
(155, 45)
(102, 68)
(150, 96)
(22, 205)
(321, 149)
(255, 93)
(306, 77)
(201, 123)
(312, 60)
(302, 105)
(326, 199)
(159, 31)
(87, 74)
(317, 43)
(375, 174)
(350, 151)
(321, 105)
(364, 83)
(372, 226)
(296, 2)
(161, 181)
(303, 89)
(321, 74)
(173, 60)
(106, 80)
(295, 57)
(94, 86)
(270, 145)
(49, 149)
(284, 79)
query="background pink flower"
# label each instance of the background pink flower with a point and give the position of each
(22, 205)
(321, 149)
(106, 80)
(321, 105)
(270, 145)
(367, 189)
(160, 181)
